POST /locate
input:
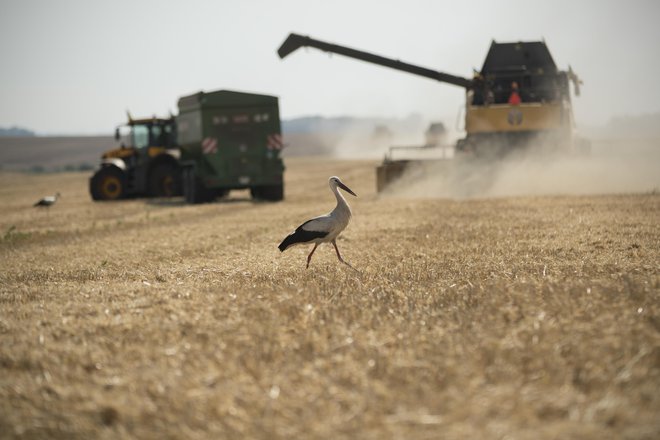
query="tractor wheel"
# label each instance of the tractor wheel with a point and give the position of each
(164, 181)
(109, 183)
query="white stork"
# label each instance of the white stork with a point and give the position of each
(47, 201)
(324, 228)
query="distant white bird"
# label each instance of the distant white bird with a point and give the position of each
(325, 228)
(47, 201)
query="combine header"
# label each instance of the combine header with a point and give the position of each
(519, 100)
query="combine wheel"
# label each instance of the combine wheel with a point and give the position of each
(109, 183)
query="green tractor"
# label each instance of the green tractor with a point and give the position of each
(220, 141)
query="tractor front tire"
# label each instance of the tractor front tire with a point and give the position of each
(108, 183)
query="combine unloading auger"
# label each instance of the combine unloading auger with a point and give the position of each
(295, 41)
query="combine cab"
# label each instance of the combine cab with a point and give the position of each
(519, 100)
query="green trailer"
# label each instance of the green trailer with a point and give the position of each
(230, 140)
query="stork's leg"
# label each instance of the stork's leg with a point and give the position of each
(334, 243)
(309, 257)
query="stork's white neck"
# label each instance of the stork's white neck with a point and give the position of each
(342, 204)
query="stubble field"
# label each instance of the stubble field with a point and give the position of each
(503, 318)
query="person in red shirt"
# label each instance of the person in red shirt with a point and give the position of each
(514, 98)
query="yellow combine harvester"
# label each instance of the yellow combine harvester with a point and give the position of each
(519, 100)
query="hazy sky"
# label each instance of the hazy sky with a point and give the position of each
(75, 66)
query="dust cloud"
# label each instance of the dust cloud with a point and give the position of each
(350, 137)
(611, 167)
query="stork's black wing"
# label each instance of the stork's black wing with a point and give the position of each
(301, 235)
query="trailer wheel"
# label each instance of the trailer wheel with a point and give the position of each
(271, 193)
(109, 183)
(194, 190)
(164, 181)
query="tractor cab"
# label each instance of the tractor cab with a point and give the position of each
(151, 136)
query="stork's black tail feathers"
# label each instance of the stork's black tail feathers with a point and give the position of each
(288, 241)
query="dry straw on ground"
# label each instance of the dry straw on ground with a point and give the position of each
(516, 318)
